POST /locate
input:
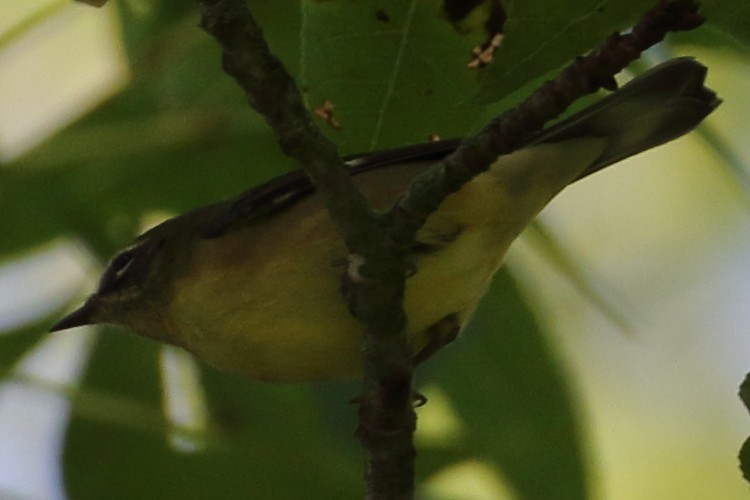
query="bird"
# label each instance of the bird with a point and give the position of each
(251, 285)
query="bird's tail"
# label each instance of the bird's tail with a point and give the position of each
(652, 109)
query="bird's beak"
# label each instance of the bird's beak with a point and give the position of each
(84, 315)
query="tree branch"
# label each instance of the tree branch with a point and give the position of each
(271, 91)
(512, 129)
(378, 268)
(379, 244)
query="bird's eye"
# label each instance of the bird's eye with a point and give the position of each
(117, 269)
(121, 263)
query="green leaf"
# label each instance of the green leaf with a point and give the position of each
(509, 390)
(146, 26)
(268, 441)
(394, 70)
(731, 19)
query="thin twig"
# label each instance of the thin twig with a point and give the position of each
(510, 130)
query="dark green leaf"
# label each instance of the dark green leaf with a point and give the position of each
(268, 441)
(145, 26)
(510, 391)
(395, 71)
(731, 19)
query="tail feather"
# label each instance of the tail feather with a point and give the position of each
(652, 109)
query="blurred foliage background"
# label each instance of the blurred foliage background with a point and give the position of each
(604, 364)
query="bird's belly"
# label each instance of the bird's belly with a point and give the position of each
(285, 320)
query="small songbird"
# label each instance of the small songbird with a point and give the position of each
(252, 284)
